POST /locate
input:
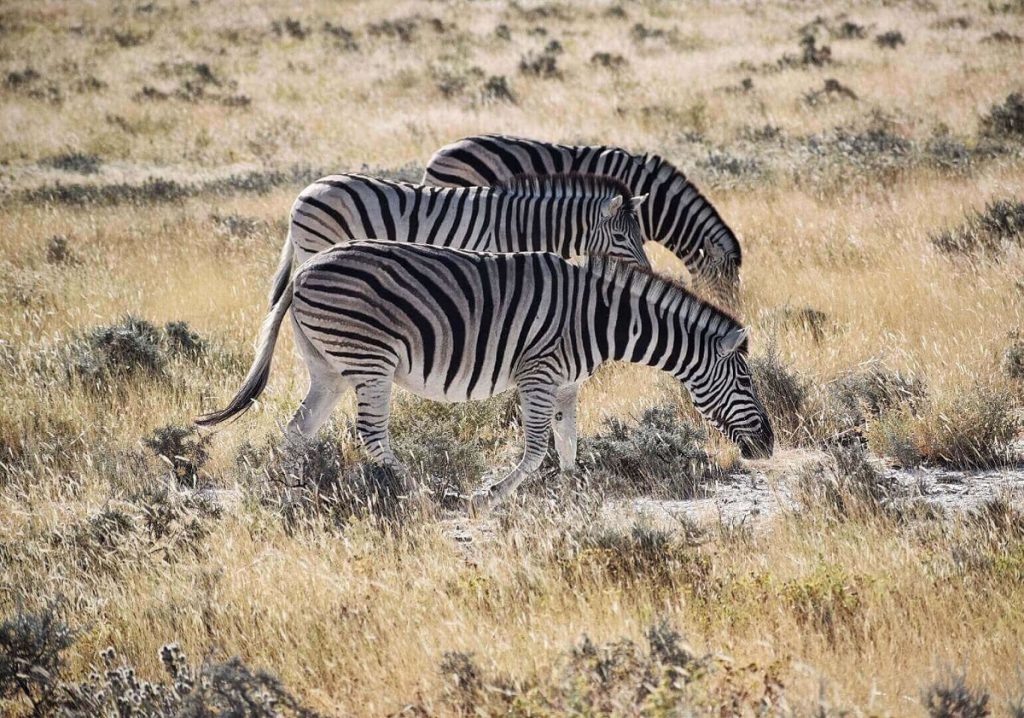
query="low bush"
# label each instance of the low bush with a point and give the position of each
(621, 677)
(985, 232)
(1013, 357)
(125, 349)
(131, 348)
(225, 688)
(58, 251)
(183, 449)
(1005, 120)
(32, 645)
(320, 480)
(868, 393)
(973, 429)
(76, 162)
(543, 64)
(848, 484)
(784, 394)
(951, 697)
(662, 454)
(890, 39)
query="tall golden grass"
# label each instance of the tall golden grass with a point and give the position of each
(858, 614)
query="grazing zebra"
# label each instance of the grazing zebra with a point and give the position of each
(676, 214)
(454, 325)
(570, 215)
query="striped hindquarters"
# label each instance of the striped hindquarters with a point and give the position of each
(448, 325)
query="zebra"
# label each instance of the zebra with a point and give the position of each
(676, 214)
(570, 214)
(455, 325)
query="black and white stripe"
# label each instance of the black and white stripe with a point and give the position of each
(455, 325)
(570, 215)
(676, 214)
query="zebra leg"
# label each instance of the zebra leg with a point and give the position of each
(323, 395)
(538, 402)
(564, 424)
(373, 395)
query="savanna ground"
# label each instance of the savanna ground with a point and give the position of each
(871, 158)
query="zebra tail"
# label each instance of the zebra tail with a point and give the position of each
(284, 271)
(256, 379)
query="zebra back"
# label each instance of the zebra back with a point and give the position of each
(566, 214)
(676, 214)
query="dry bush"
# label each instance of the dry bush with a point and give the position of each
(1006, 120)
(183, 449)
(661, 455)
(986, 232)
(621, 677)
(32, 645)
(953, 698)
(784, 395)
(1013, 356)
(973, 429)
(848, 485)
(224, 688)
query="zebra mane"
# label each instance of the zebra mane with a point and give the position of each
(565, 185)
(661, 167)
(639, 280)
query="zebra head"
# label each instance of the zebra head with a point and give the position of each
(716, 266)
(617, 232)
(725, 395)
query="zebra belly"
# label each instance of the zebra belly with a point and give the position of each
(433, 388)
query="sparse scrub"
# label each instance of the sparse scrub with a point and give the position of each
(890, 40)
(951, 697)
(972, 429)
(1006, 120)
(661, 454)
(182, 449)
(783, 393)
(74, 162)
(32, 645)
(987, 232)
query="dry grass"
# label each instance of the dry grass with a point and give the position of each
(836, 202)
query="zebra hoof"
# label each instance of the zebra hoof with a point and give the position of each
(478, 505)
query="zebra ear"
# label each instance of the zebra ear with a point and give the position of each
(637, 201)
(611, 206)
(732, 341)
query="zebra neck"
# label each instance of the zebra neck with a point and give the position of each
(654, 327)
(542, 224)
